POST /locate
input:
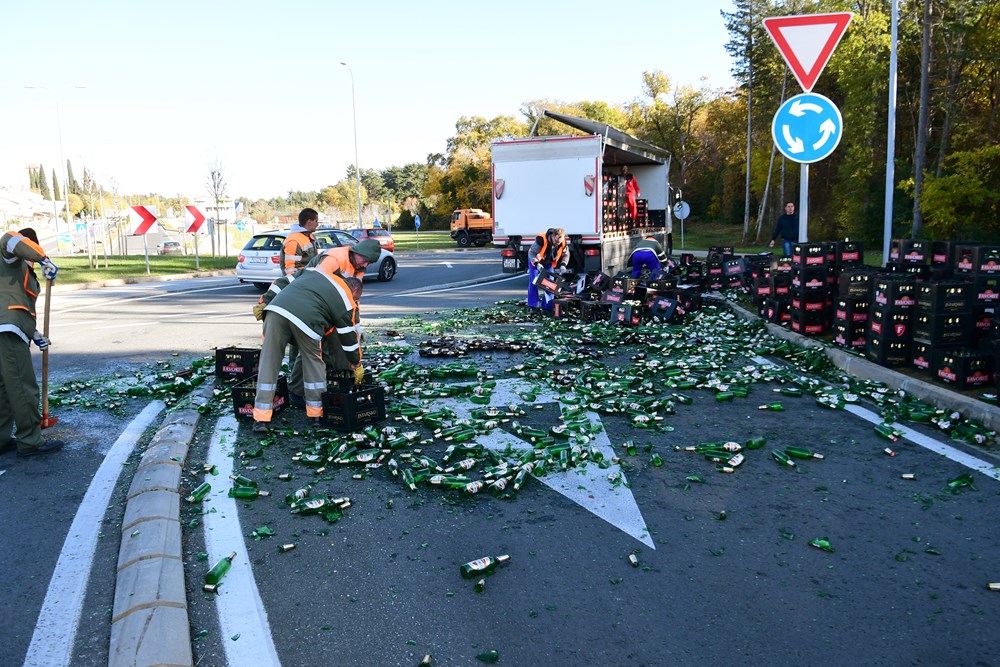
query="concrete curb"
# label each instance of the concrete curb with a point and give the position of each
(150, 605)
(936, 395)
(132, 280)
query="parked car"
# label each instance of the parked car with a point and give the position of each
(258, 261)
(169, 248)
(383, 237)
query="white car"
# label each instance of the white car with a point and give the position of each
(258, 261)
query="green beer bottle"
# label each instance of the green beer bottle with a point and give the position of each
(480, 566)
(782, 458)
(199, 493)
(241, 480)
(218, 571)
(801, 453)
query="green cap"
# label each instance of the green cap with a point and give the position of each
(369, 249)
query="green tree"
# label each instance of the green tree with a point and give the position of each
(71, 182)
(964, 202)
(56, 193)
(43, 184)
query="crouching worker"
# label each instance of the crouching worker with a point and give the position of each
(648, 254)
(549, 251)
(318, 303)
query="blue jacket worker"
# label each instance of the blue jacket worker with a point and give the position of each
(648, 254)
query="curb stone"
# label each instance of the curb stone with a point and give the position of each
(936, 395)
(150, 605)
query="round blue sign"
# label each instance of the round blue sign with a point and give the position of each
(416, 222)
(807, 128)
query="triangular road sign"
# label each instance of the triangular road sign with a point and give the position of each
(807, 41)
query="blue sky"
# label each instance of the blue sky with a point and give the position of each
(257, 87)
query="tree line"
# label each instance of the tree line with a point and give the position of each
(947, 158)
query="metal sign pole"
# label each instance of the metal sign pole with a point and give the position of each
(803, 203)
(145, 250)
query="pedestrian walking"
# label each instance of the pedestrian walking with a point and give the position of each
(20, 419)
(787, 228)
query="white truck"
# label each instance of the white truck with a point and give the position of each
(576, 182)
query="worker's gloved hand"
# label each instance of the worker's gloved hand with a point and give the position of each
(40, 340)
(49, 270)
(258, 311)
(359, 374)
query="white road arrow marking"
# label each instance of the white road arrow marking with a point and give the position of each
(447, 264)
(799, 108)
(586, 485)
(828, 129)
(795, 145)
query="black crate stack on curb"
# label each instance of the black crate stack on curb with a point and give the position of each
(910, 256)
(890, 320)
(715, 278)
(850, 322)
(778, 307)
(942, 320)
(810, 288)
(964, 367)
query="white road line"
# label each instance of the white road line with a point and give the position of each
(122, 326)
(956, 455)
(587, 485)
(452, 289)
(54, 638)
(78, 324)
(238, 602)
(188, 314)
(104, 304)
(236, 314)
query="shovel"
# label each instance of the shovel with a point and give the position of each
(47, 421)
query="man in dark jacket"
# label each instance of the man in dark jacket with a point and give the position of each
(787, 228)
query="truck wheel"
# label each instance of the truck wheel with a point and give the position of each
(463, 239)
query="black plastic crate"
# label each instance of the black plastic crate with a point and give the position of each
(809, 303)
(810, 279)
(852, 335)
(917, 271)
(850, 310)
(782, 264)
(944, 328)
(887, 353)
(963, 367)
(734, 267)
(236, 363)
(627, 314)
(808, 323)
(549, 281)
(762, 287)
(721, 252)
(986, 290)
(662, 307)
(354, 407)
(983, 319)
(245, 391)
(565, 308)
(922, 356)
(943, 253)
(890, 323)
(856, 282)
(978, 260)
(849, 253)
(909, 251)
(595, 311)
(895, 291)
(809, 254)
(715, 268)
(943, 296)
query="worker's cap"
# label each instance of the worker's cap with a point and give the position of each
(369, 249)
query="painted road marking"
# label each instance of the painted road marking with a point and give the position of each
(54, 638)
(956, 455)
(123, 326)
(104, 304)
(238, 603)
(586, 485)
(452, 289)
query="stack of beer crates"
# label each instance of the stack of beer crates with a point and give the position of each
(810, 288)
(942, 321)
(979, 265)
(890, 319)
(715, 266)
(910, 257)
(777, 306)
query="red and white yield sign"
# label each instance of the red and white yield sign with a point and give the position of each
(807, 41)
(196, 218)
(142, 220)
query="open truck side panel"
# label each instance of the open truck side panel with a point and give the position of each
(543, 182)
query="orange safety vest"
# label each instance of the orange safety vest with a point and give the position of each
(340, 258)
(545, 246)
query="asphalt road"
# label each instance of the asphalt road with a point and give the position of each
(905, 584)
(107, 335)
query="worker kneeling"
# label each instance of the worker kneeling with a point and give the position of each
(318, 303)
(648, 254)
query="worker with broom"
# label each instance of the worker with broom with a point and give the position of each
(19, 289)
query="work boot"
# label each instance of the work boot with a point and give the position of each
(296, 400)
(8, 446)
(315, 422)
(261, 428)
(47, 447)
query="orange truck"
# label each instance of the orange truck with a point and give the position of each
(471, 226)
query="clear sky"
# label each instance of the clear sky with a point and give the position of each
(173, 88)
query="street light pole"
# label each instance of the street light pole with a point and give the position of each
(357, 169)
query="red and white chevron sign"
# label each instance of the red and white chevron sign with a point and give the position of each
(142, 220)
(195, 217)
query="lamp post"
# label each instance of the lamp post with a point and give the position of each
(69, 224)
(357, 170)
